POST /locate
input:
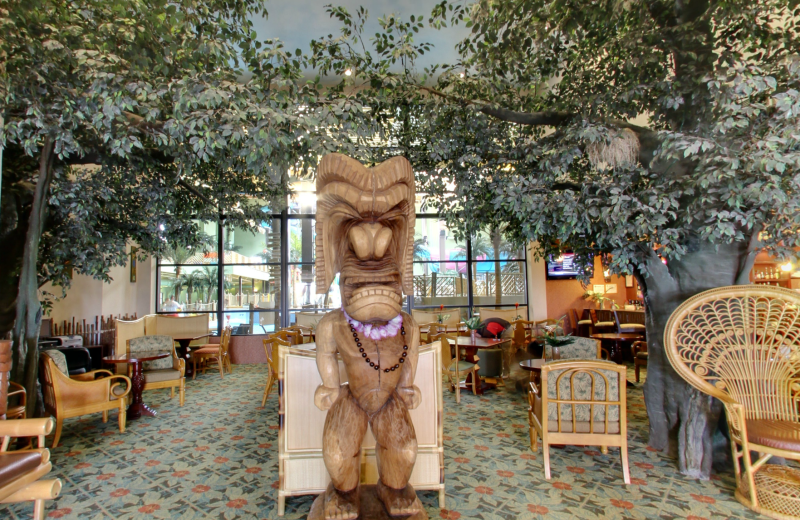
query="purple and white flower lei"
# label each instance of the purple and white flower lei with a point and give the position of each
(376, 332)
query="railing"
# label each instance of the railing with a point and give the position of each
(433, 285)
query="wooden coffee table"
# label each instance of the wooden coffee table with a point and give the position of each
(137, 408)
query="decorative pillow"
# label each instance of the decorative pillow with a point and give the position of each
(493, 327)
(58, 359)
(581, 384)
(154, 343)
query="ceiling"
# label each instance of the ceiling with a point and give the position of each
(297, 22)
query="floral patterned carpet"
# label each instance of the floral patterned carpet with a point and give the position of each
(217, 458)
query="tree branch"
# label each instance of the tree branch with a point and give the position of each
(743, 276)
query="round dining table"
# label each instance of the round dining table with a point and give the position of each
(137, 408)
(534, 366)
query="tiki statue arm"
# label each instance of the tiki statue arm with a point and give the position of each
(409, 393)
(328, 366)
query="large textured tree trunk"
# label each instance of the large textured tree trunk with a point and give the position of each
(682, 419)
(29, 311)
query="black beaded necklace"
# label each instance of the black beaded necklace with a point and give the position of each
(373, 364)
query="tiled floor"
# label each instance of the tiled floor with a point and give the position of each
(217, 458)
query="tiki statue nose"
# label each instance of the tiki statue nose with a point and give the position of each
(370, 240)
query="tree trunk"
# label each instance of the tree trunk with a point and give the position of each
(683, 420)
(29, 312)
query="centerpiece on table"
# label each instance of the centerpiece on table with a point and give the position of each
(473, 324)
(551, 338)
(599, 299)
(441, 318)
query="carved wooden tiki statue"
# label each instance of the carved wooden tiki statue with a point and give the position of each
(365, 232)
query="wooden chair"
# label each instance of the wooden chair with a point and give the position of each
(214, 352)
(741, 344)
(630, 321)
(639, 351)
(293, 337)
(600, 323)
(580, 326)
(65, 397)
(427, 330)
(169, 372)
(523, 334)
(304, 331)
(549, 324)
(581, 403)
(20, 471)
(272, 347)
(453, 366)
(18, 410)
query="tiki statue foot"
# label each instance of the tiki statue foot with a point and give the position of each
(398, 502)
(340, 505)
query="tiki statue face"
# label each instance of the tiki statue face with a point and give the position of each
(365, 232)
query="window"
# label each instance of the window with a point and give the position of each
(268, 277)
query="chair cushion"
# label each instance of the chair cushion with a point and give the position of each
(119, 390)
(15, 464)
(584, 322)
(605, 324)
(463, 366)
(156, 376)
(583, 392)
(154, 343)
(632, 326)
(641, 355)
(580, 426)
(58, 359)
(491, 362)
(206, 350)
(782, 435)
(580, 348)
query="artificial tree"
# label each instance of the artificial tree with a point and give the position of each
(181, 113)
(660, 132)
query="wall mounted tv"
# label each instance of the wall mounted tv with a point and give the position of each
(565, 267)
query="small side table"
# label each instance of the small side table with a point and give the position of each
(534, 366)
(137, 408)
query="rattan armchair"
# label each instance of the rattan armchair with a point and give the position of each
(582, 403)
(214, 352)
(20, 471)
(741, 344)
(291, 336)
(272, 347)
(580, 348)
(167, 372)
(65, 397)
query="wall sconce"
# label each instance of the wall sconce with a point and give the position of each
(607, 275)
(787, 267)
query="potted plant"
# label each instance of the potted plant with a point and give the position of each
(599, 299)
(555, 341)
(473, 324)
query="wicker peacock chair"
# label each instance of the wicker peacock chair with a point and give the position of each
(741, 344)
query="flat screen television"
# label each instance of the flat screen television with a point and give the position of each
(565, 267)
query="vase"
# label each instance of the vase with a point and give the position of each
(473, 333)
(555, 353)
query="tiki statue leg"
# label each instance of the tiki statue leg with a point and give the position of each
(344, 431)
(396, 451)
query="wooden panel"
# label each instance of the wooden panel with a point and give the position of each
(127, 330)
(305, 474)
(183, 326)
(302, 469)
